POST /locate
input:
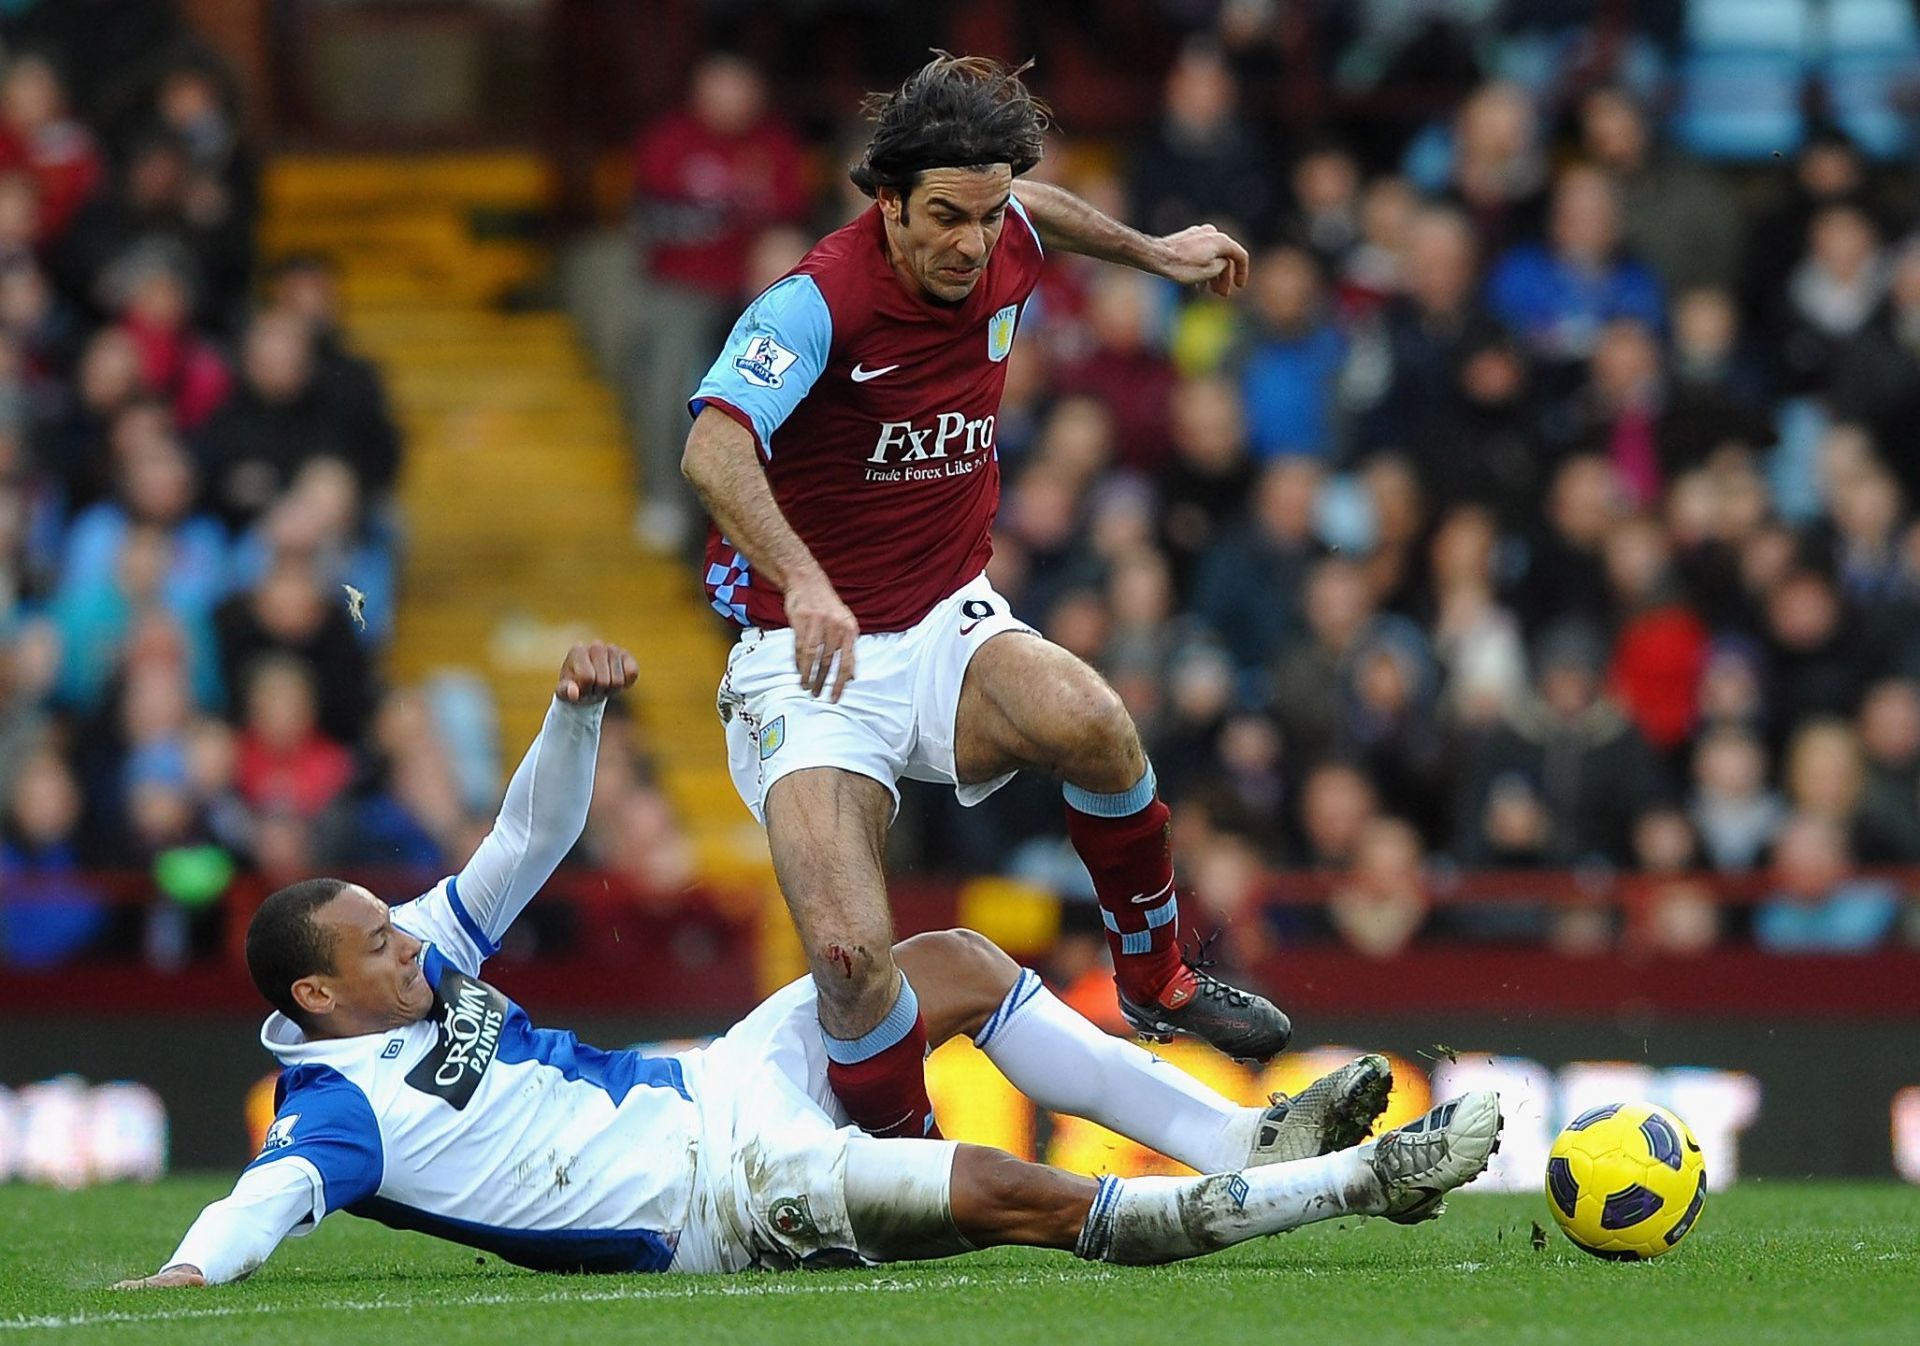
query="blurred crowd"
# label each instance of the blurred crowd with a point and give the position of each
(192, 466)
(1543, 505)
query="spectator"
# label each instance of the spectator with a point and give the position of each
(1202, 165)
(1827, 169)
(1247, 588)
(1733, 810)
(157, 488)
(1290, 360)
(1310, 678)
(1498, 173)
(1889, 730)
(1337, 802)
(1126, 369)
(307, 286)
(39, 134)
(1822, 658)
(1660, 644)
(1565, 575)
(706, 178)
(279, 420)
(1675, 914)
(1325, 181)
(1477, 640)
(108, 380)
(1381, 906)
(1372, 272)
(198, 104)
(1585, 769)
(1430, 332)
(1650, 428)
(284, 762)
(1826, 778)
(1831, 297)
(1210, 478)
(51, 911)
(290, 614)
(1818, 906)
(1558, 296)
(149, 288)
(1677, 216)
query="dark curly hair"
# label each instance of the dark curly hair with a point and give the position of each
(953, 112)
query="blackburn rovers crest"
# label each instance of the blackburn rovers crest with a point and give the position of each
(1000, 332)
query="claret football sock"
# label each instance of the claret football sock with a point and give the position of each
(1066, 1064)
(1125, 841)
(880, 1077)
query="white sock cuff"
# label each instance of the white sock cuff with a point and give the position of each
(1026, 987)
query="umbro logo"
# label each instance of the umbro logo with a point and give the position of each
(861, 374)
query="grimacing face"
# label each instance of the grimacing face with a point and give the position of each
(942, 234)
(377, 982)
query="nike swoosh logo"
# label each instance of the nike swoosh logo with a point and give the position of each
(967, 630)
(1143, 898)
(861, 375)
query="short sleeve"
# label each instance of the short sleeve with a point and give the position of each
(326, 1127)
(771, 360)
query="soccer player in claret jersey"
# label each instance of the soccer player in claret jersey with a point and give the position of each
(417, 1095)
(844, 444)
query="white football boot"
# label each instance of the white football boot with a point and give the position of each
(1419, 1163)
(1335, 1112)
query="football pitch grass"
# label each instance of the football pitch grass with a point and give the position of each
(1769, 1262)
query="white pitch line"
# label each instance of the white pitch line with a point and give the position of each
(746, 1288)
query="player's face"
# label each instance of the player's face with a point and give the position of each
(942, 234)
(377, 982)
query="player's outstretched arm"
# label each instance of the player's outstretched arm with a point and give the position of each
(237, 1233)
(1200, 255)
(723, 465)
(546, 804)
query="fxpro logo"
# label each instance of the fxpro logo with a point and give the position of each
(470, 1016)
(950, 435)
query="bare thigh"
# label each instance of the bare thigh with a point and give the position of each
(1028, 703)
(827, 829)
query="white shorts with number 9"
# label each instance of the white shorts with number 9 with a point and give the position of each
(895, 719)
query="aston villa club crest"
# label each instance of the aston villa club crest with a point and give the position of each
(772, 736)
(1000, 332)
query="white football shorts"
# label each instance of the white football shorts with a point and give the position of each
(895, 719)
(769, 1187)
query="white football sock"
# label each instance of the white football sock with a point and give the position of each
(1143, 1221)
(1066, 1064)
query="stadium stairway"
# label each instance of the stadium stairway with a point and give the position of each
(518, 489)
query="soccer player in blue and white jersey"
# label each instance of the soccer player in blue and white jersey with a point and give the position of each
(419, 1096)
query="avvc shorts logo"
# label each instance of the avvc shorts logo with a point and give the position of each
(772, 736)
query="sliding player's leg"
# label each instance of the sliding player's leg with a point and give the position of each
(1028, 703)
(1065, 1064)
(908, 1199)
(827, 829)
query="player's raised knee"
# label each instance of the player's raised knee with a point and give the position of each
(961, 977)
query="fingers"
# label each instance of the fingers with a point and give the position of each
(596, 671)
(845, 657)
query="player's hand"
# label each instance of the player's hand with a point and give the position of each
(172, 1278)
(594, 672)
(824, 630)
(1204, 255)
